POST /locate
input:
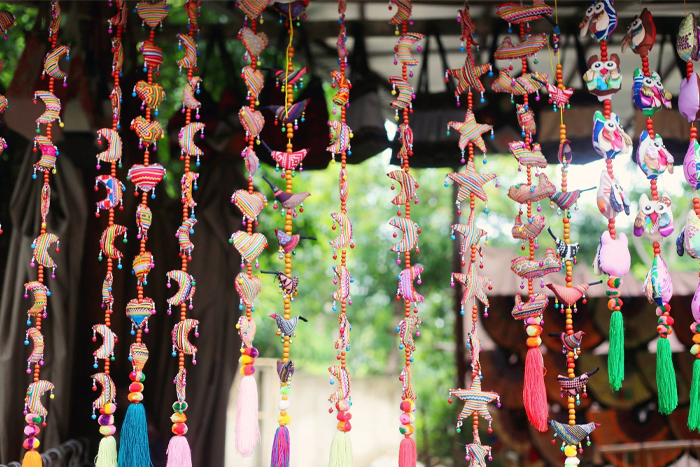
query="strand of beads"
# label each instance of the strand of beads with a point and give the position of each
(341, 449)
(7, 20)
(603, 79)
(106, 403)
(34, 411)
(655, 218)
(410, 230)
(250, 203)
(178, 448)
(134, 446)
(689, 90)
(470, 183)
(528, 268)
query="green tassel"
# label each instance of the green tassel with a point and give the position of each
(694, 414)
(107, 453)
(665, 377)
(341, 450)
(616, 353)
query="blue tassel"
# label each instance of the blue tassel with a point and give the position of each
(133, 445)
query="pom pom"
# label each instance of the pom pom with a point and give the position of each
(341, 451)
(616, 354)
(247, 426)
(179, 454)
(535, 391)
(107, 452)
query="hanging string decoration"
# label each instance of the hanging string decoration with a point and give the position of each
(655, 218)
(250, 203)
(7, 20)
(179, 453)
(35, 413)
(402, 103)
(688, 99)
(134, 445)
(341, 399)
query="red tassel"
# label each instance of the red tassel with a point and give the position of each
(407, 453)
(534, 390)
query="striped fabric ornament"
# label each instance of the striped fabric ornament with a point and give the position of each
(532, 308)
(248, 288)
(45, 201)
(152, 14)
(528, 157)
(249, 246)
(152, 56)
(568, 295)
(476, 452)
(526, 118)
(51, 62)
(343, 184)
(289, 160)
(344, 238)
(285, 371)
(407, 186)
(49, 152)
(144, 218)
(342, 279)
(7, 20)
(340, 137)
(405, 133)
(180, 336)
(410, 234)
(470, 131)
(138, 354)
(191, 88)
(526, 268)
(119, 20)
(40, 294)
(254, 81)
(529, 230)
(109, 339)
(188, 183)
(107, 297)
(471, 183)
(146, 177)
(148, 132)
(471, 235)
(571, 435)
(403, 11)
(293, 78)
(115, 192)
(406, 329)
(185, 139)
(117, 56)
(468, 27)
(291, 113)
(474, 287)
(115, 97)
(252, 121)
(55, 23)
(107, 241)
(186, 287)
(140, 310)
(475, 401)
(151, 95)
(406, 377)
(516, 13)
(142, 265)
(525, 84)
(524, 193)
(37, 355)
(32, 401)
(469, 76)
(252, 163)
(40, 247)
(342, 393)
(294, 8)
(403, 48)
(525, 48)
(109, 390)
(4, 105)
(406, 290)
(405, 93)
(246, 329)
(181, 384)
(254, 43)
(252, 8)
(250, 204)
(183, 236)
(566, 199)
(341, 97)
(191, 52)
(53, 108)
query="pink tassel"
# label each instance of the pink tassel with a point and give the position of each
(534, 390)
(179, 454)
(407, 453)
(280, 448)
(247, 427)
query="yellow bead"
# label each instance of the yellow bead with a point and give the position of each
(570, 451)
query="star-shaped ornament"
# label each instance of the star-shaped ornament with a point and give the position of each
(471, 235)
(470, 183)
(474, 287)
(476, 453)
(470, 132)
(469, 77)
(475, 401)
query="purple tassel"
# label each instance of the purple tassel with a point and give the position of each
(280, 448)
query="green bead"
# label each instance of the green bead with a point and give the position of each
(459, 430)
(125, 240)
(284, 390)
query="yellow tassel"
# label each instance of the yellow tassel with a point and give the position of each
(32, 459)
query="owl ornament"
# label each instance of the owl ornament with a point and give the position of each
(599, 21)
(603, 78)
(611, 198)
(648, 93)
(652, 156)
(689, 97)
(688, 240)
(655, 218)
(687, 39)
(609, 138)
(641, 34)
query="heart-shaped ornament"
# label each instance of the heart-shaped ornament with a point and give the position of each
(139, 311)
(249, 245)
(148, 132)
(142, 265)
(152, 14)
(248, 288)
(252, 121)
(151, 94)
(146, 177)
(254, 81)
(139, 356)
(253, 8)
(253, 43)
(152, 55)
(250, 204)
(252, 163)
